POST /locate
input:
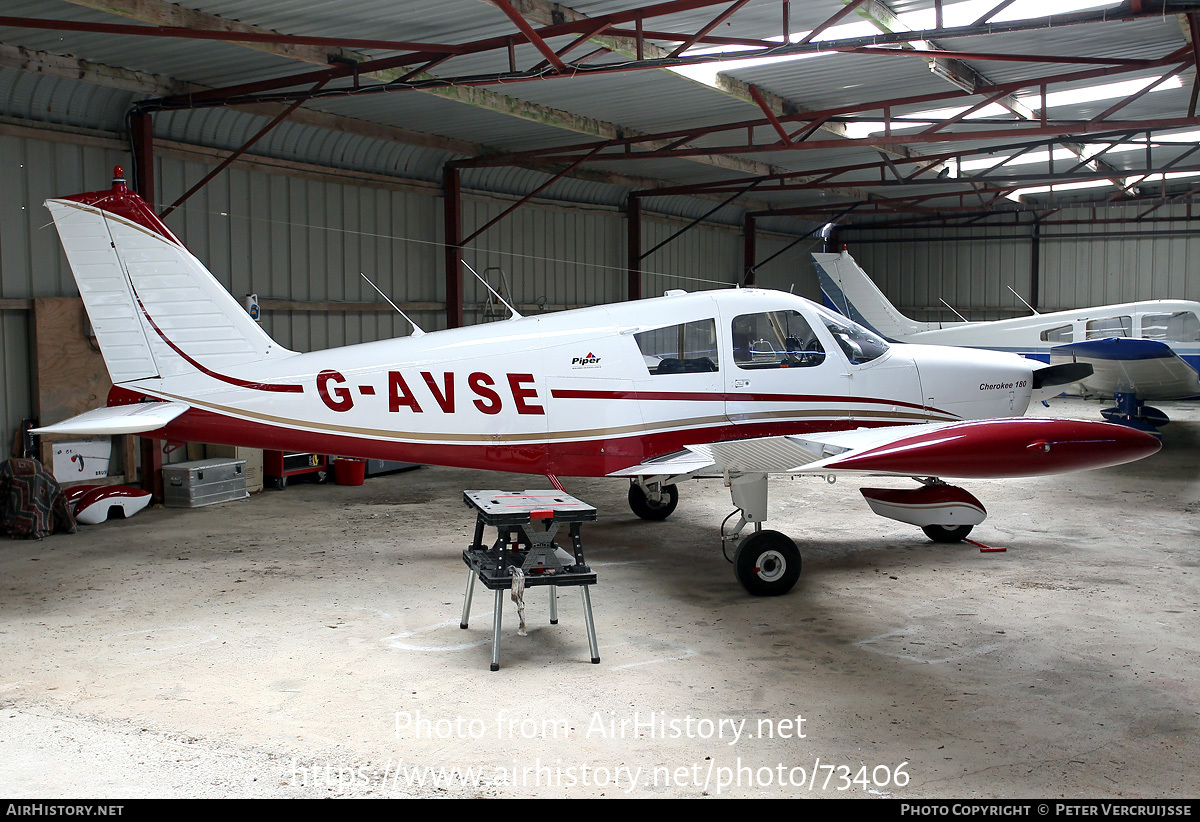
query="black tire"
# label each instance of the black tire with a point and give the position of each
(646, 508)
(279, 483)
(767, 564)
(947, 533)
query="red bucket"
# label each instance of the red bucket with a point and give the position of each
(349, 472)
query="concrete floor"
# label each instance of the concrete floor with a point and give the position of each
(306, 643)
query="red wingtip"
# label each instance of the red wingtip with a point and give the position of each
(1022, 447)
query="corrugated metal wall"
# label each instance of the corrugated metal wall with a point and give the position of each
(298, 238)
(1095, 264)
(705, 257)
(31, 264)
(554, 256)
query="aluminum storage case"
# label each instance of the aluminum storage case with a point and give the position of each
(203, 482)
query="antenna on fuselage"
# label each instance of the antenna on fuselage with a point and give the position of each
(960, 316)
(516, 315)
(1022, 299)
(416, 332)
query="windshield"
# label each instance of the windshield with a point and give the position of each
(859, 344)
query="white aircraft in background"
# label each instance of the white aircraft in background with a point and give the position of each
(737, 384)
(1148, 350)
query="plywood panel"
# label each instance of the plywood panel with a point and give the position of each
(69, 371)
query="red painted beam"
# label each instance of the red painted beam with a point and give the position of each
(808, 38)
(712, 24)
(991, 56)
(532, 36)
(892, 139)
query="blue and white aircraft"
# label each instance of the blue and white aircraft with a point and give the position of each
(1147, 350)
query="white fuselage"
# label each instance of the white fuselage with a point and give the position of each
(585, 392)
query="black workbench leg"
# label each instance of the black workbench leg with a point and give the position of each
(553, 604)
(591, 625)
(462, 623)
(497, 618)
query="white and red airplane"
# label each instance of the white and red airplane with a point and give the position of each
(737, 384)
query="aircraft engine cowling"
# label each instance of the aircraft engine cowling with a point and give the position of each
(973, 384)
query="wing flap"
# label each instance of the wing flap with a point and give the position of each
(693, 460)
(118, 419)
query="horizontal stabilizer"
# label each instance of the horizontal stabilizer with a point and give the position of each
(118, 419)
(1149, 368)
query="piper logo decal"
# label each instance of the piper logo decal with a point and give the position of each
(590, 361)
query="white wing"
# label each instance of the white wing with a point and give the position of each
(1017, 447)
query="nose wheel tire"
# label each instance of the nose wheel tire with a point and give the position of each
(649, 508)
(767, 564)
(947, 533)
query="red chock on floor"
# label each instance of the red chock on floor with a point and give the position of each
(984, 549)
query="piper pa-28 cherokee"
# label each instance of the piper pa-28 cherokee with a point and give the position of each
(1147, 350)
(736, 384)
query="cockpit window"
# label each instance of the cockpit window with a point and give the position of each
(775, 339)
(859, 344)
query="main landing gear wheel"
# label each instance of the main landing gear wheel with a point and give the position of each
(651, 509)
(767, 564)
(947, 533)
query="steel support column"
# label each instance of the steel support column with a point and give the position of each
(749, 251)
(141, 138)
(633, 213)
(452, 237)
(1035, 255)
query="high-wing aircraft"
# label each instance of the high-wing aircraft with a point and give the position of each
(735, 384)
(1148, 350)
